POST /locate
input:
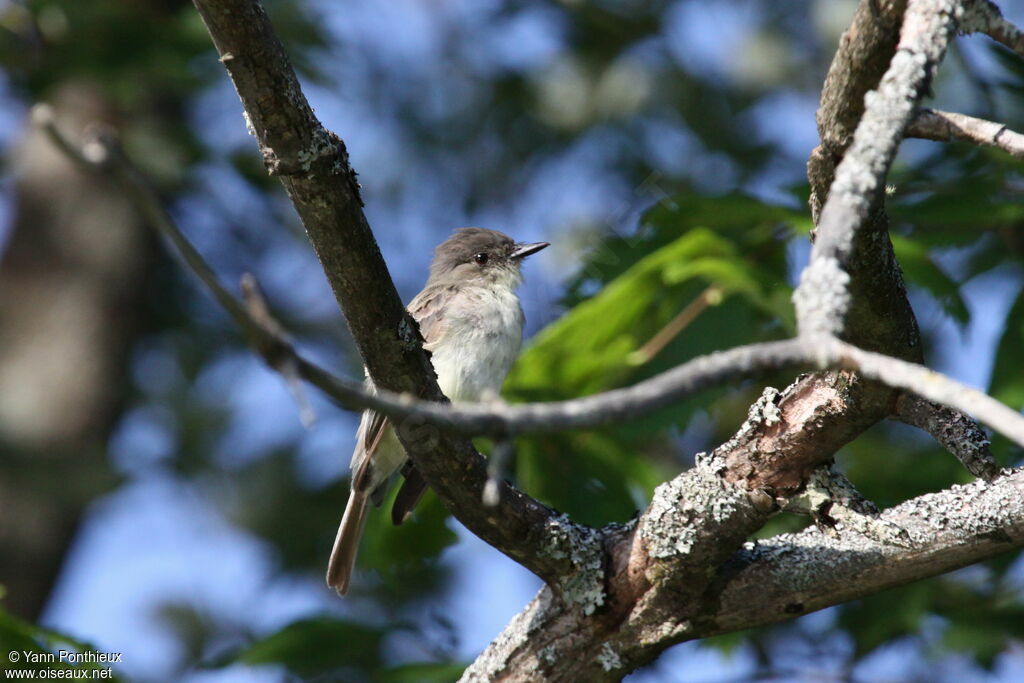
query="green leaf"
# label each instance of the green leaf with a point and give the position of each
(18, 635)
(315, 646)
(442, 672)
(723, 260)
(1007, 383)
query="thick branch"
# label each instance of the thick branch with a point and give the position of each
(791, 574)
(782, 578)
(943, 126)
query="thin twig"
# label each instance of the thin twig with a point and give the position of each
(709, 297)
(617, 405)
(280, 358)
(943, 126)
(957, 433)
(981, 16)
(928, 384)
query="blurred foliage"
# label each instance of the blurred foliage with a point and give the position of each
(332, 649)
(490, 108)
(25, 639)
(729, 250)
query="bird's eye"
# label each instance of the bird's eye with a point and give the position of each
(480, 258)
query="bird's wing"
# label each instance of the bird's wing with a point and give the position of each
(371, 430)
(426, 310)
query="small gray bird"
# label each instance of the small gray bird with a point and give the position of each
(472, 324)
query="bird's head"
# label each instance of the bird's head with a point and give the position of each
(480, 255)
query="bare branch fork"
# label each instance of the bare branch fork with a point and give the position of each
(943, 126)
(619, 596)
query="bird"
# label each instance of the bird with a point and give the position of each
(471, 321)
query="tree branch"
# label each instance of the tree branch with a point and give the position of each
(795, 574)
(942, 126)
(981, 16)
(954, 431)
(497, 419)
(863, 55)
(781, 578)
(879, 317)
(314, 169)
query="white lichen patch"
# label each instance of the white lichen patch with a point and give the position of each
(770, 409)
(823, 297)
(669, 528)
(608, 658)
(582, 547)
(938, 524)
(699, 502)
(321, 145)
(249, 128)
(837, 506)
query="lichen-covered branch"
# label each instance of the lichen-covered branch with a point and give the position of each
(956, 432)
(823, 298)
(760, 583)
(863, 55)
(943, 126)
(793, 574)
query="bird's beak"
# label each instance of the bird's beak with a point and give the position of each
(523, 249)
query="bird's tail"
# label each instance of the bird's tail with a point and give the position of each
(346, 544)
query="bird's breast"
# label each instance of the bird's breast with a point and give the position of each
(484, 330)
